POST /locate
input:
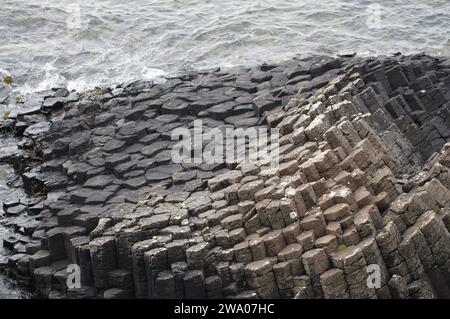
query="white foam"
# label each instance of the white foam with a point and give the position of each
(153, 74)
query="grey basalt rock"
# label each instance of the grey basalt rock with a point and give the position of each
(52, 103)
(37, 130)
(363, 180)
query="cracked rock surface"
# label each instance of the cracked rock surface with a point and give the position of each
(363, 180)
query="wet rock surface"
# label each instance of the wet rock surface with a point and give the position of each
(10, 240)
(363, 180)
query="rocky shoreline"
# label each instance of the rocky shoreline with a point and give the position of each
(363, 180)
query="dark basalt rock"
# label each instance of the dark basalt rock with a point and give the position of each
(363, 179)
(114, 146)
(160, 173)
(150, 150)
(265, 103)
(37, 130)
(53, 103)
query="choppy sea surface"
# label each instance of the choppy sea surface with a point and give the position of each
(80, 44)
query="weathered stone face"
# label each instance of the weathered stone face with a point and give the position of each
(352, 188)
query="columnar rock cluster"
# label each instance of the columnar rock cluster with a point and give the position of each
(362, 185)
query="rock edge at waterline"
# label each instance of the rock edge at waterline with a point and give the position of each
(363, 180)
